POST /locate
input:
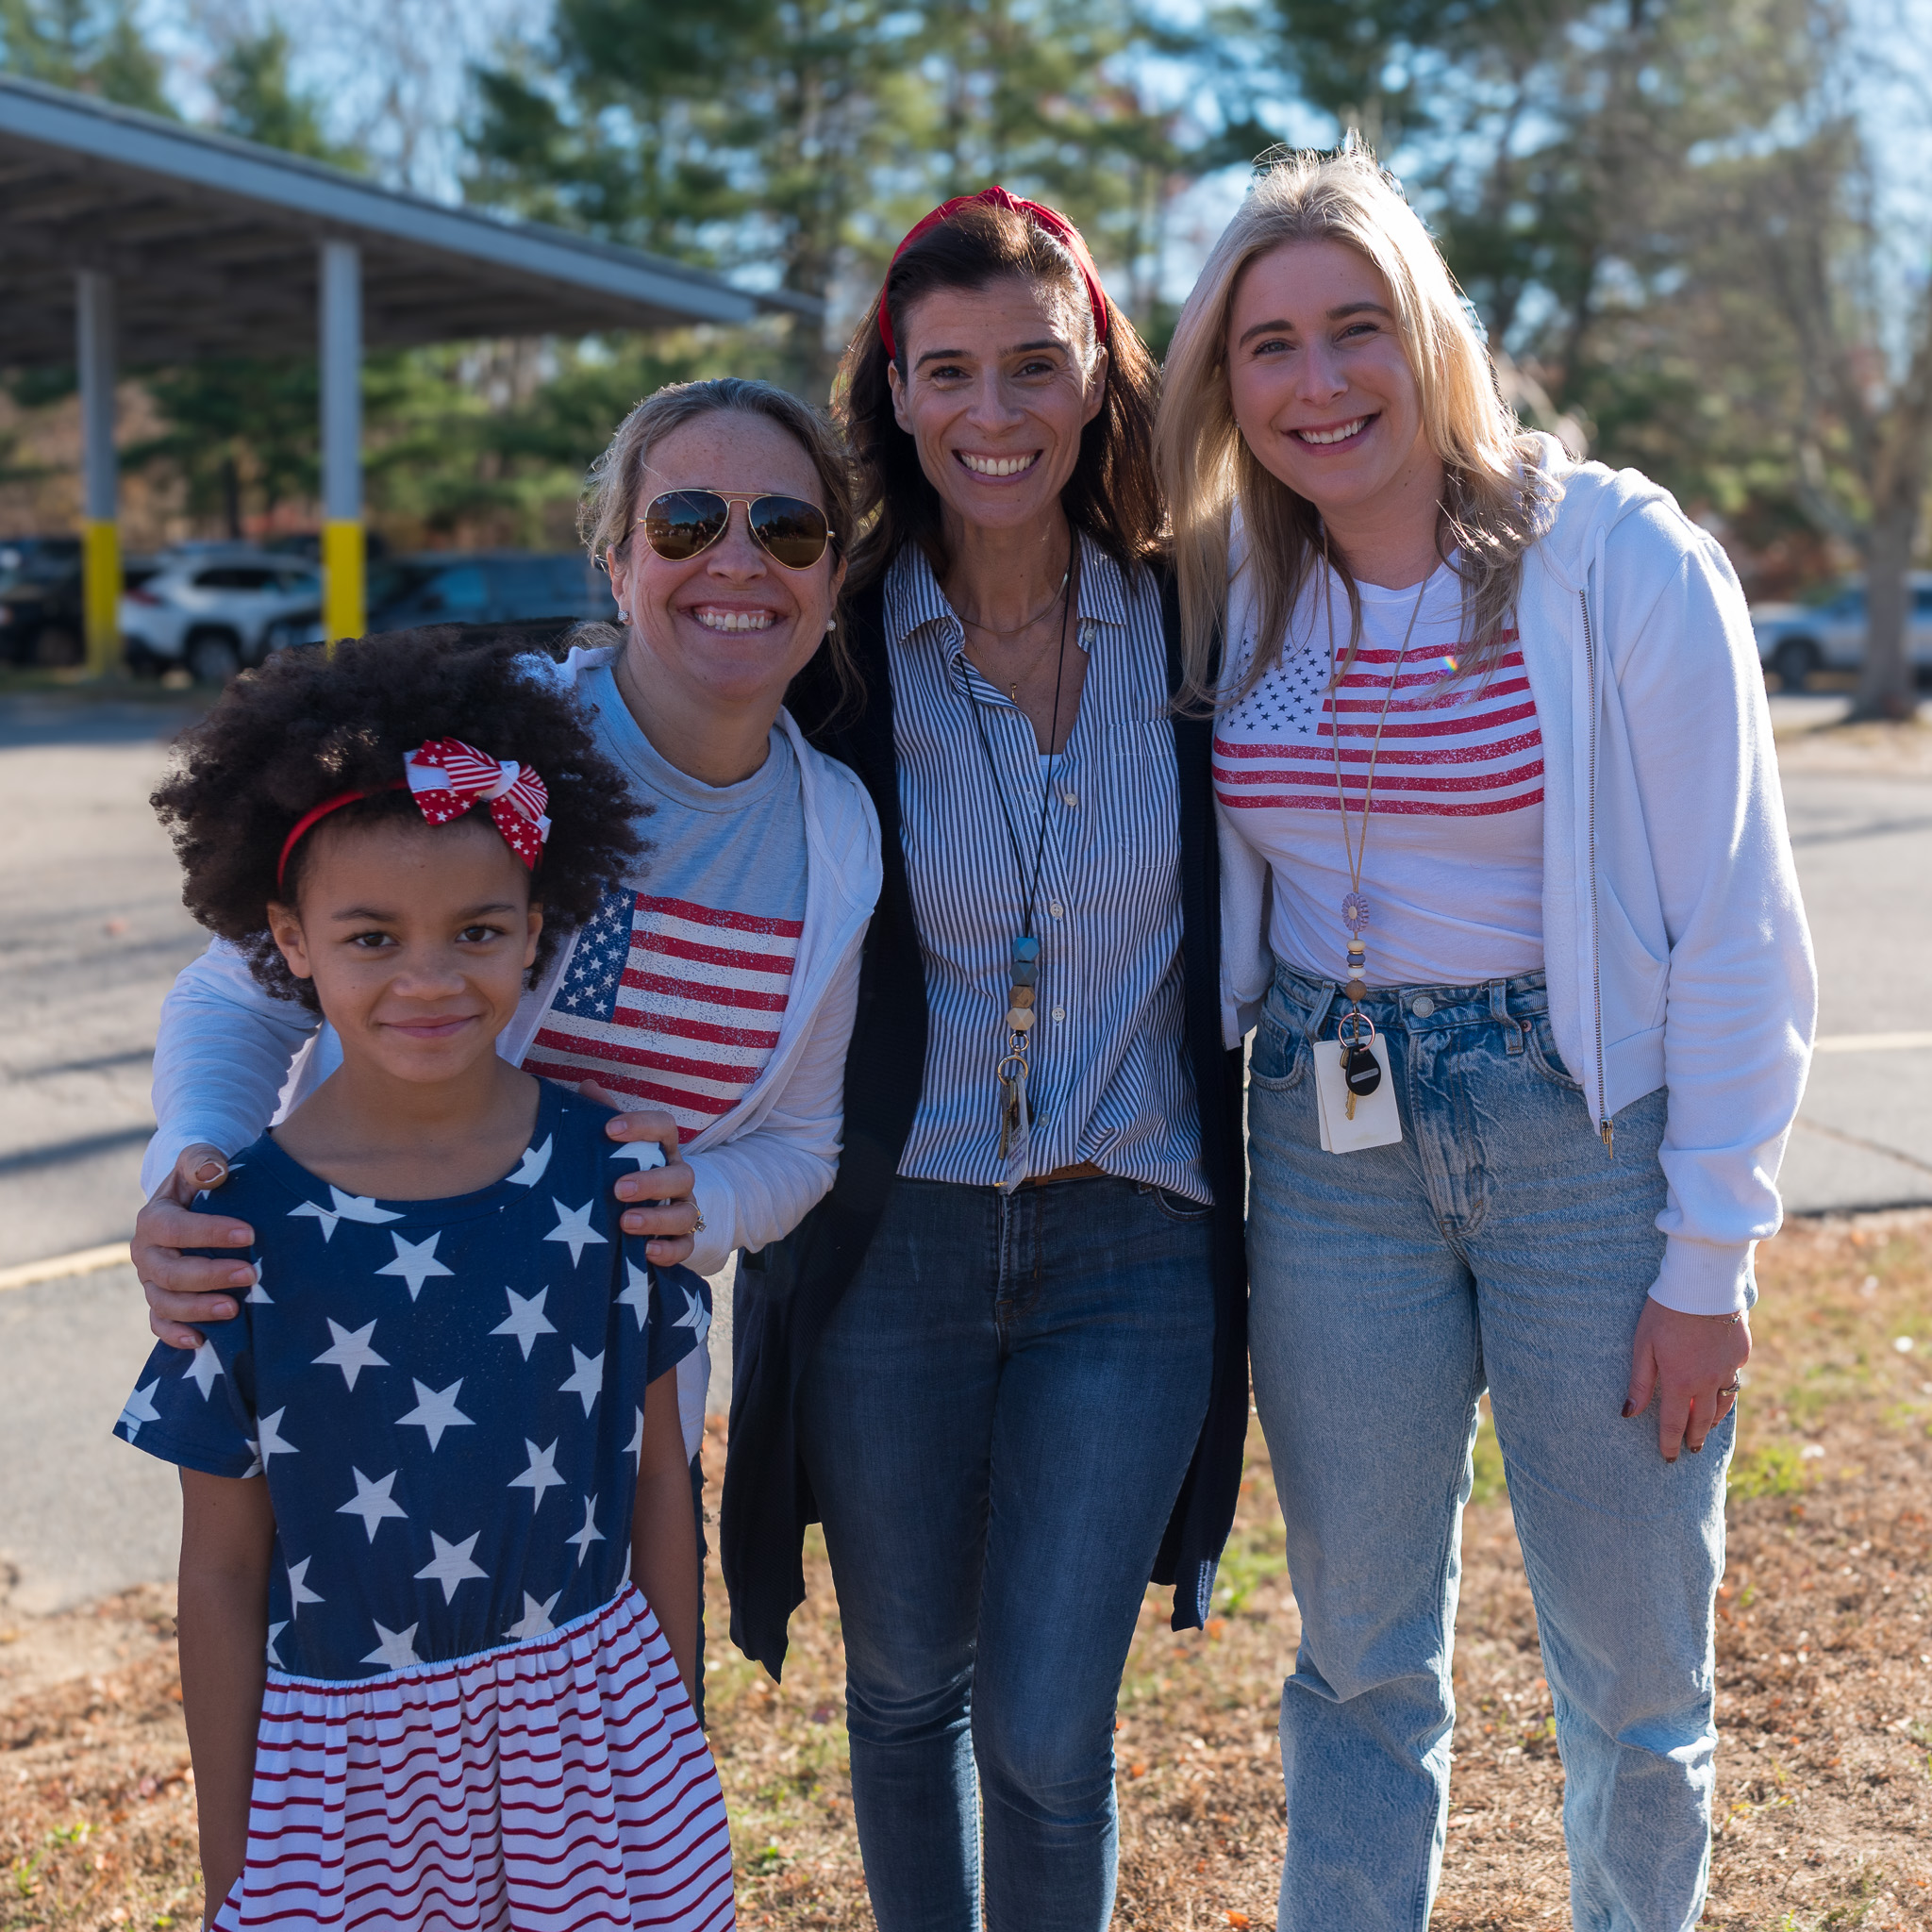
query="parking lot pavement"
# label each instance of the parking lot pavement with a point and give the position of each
(84, 1513)
(1863, 842)
(95, 933)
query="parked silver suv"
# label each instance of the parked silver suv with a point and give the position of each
(211, 611)
(1795, 640)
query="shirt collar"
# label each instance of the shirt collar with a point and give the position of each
(914, 599)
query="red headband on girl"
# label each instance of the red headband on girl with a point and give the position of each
(446, 778)
(1054, 223)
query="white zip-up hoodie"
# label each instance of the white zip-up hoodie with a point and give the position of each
(231, 1058)
(1675, 942)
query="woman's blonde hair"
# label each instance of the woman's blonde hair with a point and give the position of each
(1493, 507)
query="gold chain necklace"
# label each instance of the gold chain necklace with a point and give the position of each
(991, 631)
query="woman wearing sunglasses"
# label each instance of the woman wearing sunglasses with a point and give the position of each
(715, 992)
(1003, 1361)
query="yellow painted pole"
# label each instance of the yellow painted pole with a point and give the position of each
(100, 593)
(344, 610)
(339, 292)
(100, 479)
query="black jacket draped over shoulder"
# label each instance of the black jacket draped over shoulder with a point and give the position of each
(786, 1293)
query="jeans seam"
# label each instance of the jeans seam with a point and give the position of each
(1446, 1630)
(1196, 1210)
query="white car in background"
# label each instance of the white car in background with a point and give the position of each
(210, 611)
(1795, 640)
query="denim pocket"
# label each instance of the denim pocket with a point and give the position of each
(1280, 1057)
(1175, 1207)
(1541, 1041)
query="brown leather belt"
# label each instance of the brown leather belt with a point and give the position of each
(1079, 1170)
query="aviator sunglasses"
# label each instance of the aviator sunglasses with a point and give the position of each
(682, 523)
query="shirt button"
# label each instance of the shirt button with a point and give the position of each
(1423, 1007)
(1070, 799)
(1059, 1013)
(1054, 909)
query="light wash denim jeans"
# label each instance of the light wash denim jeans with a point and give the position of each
(1497, 1245)
(996, 1424)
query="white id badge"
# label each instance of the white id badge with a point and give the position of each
(1376, 1123)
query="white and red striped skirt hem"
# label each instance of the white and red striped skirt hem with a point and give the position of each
(558, 1783)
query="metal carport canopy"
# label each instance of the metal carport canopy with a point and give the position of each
(211, 243)
(127, 236)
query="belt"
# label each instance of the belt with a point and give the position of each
(1079, 1170)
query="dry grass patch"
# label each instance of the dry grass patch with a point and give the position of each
(1824, 1773)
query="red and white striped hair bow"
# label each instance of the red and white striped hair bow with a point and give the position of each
(447, 777)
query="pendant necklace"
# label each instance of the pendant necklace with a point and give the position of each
(1361, 1073)
(1023, 970)
(973, 624)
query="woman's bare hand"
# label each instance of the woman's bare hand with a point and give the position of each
(179, 1287)
(672, 1216)
(1688, 1362)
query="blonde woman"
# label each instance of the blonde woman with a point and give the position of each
(1508, 887)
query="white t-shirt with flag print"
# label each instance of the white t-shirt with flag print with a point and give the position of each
(676, 987)
(1454, 865)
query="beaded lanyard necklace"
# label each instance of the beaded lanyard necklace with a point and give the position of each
(1360, 1073)
(1023, 967)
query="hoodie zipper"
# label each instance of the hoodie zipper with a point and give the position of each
(1597, 964)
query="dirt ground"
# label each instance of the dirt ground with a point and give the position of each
(1823, 1814)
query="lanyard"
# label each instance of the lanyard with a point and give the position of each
(1355, 908)
(1023, 962)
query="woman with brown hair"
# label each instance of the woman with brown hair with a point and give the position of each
(1004, 1360)
(1510, 897)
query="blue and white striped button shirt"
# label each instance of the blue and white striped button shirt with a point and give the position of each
(1110, 1081)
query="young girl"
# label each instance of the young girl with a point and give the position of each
(421, 1689)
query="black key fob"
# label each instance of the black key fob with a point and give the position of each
(1361, 1072)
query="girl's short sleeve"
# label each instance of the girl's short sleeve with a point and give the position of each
(680, 1314)
(198, 1409)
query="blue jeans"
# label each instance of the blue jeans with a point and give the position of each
(995, 1424)
(1498, 1244)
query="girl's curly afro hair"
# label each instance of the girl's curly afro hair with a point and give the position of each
(306, 727)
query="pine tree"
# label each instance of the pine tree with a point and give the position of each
(92, 46)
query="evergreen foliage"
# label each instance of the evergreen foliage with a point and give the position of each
(1673, 216)
(92, 46)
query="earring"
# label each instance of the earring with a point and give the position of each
(831, 624)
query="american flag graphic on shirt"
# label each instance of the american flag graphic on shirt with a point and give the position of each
(1452, 746)
(675, 1004)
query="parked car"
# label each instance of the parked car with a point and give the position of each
(1795, 640)
(469, 587)
(39, 601)
(43, 619)
(212, 609)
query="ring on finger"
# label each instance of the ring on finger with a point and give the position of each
(1730, 1388)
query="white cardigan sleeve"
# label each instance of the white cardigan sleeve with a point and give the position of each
(226, 1045)
(221, 1059)
(1742, 993)
(758, 1186)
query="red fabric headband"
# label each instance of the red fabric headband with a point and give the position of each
(446, 778)
(1054, 224)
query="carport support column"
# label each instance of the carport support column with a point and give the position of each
(343, 613)
(99, 470)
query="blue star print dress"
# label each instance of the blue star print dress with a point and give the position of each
(472, 1719)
